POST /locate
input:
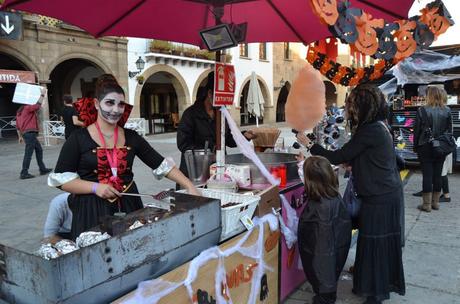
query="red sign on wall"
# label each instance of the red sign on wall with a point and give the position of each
(224, 84)
(10, 76)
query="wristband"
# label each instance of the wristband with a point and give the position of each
(94, 188)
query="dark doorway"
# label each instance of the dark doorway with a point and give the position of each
(331, 94)
(159, 104)
(280, 104)
(76, 77)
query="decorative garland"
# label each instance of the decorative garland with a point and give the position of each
(344, 75)
(390, 42)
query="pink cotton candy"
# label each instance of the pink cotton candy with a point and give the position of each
(306, 103)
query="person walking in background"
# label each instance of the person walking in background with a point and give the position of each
(324, 231)
(27, 128)
(70, 117)
(431, 121)
(378, 264)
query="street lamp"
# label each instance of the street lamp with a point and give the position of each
(140, 64)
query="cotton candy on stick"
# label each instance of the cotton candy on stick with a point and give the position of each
(306, 102)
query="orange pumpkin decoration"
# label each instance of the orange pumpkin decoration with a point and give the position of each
(438, 24)
(326, 10)
(367, 42)
(404, 38)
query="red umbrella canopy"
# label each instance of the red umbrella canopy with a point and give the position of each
(181, 20)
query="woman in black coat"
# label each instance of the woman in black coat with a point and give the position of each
(378, 263)
(437, 117)
(198, 125)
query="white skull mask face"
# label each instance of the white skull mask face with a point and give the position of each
(111, 107)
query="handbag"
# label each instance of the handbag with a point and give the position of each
(442, 145)
(351, 199)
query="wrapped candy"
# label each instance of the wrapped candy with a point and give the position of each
(91, 237)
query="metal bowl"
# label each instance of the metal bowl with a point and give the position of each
(269, 160)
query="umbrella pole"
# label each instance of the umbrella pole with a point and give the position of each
(257, 121)
(220, 137)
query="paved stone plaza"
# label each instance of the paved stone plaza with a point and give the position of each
(431, 255)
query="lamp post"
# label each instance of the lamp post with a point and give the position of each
(140, 64)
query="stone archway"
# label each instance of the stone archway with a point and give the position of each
(163, 97)
(246, 119)
(199, 82)
(76, 77)
(178, 82)
(83, 56)
(18, 56)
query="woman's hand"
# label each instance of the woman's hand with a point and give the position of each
(249, 134)
(303, 139)
(193, 191)
(106, 191)
(300, 157)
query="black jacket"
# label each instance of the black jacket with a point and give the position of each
(324, 236)
(439, 120)
(195, 128)
(371, 154)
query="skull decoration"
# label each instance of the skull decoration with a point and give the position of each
(345, 27)
(387, 45)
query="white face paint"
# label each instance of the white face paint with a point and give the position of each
(111, 107)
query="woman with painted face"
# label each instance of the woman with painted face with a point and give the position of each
(95, 163)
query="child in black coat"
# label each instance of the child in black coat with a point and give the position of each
(324, 231)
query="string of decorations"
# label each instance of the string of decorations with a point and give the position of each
(389, 42)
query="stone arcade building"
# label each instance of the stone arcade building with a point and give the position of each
(64, 58)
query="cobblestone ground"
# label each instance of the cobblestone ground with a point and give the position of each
(431, 255)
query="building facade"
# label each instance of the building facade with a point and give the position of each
(65, 59)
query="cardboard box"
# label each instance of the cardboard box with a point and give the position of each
(269, 198)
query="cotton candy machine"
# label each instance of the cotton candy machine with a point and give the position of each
(106, 270)
(270, 160)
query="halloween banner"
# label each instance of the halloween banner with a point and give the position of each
(387, 42)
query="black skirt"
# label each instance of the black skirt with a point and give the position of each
(378, 264)
(88, 210)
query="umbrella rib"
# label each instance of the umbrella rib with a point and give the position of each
(291, 27)
(127, 13)
(386, 11)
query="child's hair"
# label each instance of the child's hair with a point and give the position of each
(320, 179)
(106, 84)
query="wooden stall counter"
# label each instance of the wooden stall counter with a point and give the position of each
(251, 272)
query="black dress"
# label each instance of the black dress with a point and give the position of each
(378, 264)
(81, 154)
(324, 237)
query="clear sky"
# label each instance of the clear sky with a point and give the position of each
(452, 36)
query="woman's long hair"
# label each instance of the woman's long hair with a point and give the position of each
(320, 179)
(365, 104)
(436, 96)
